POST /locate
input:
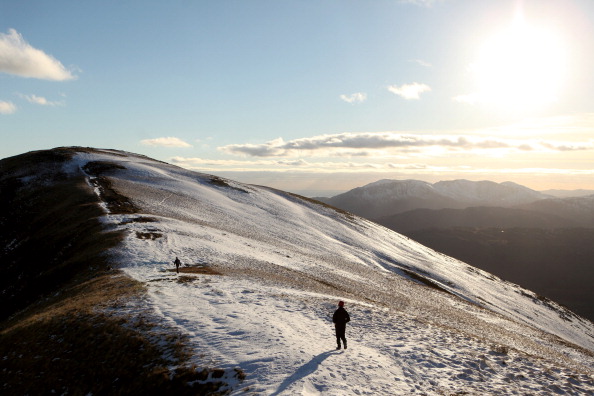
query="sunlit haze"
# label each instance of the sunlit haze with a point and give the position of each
(307, 96)
(520, 67)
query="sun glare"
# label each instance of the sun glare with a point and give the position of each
(521, 67)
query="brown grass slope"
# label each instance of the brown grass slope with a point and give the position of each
(49, 230)
(60, 330)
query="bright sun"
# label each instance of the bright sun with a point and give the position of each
(519, 68)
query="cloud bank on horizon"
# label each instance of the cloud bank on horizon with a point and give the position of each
(449, 155)
(373, 143)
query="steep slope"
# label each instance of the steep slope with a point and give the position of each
(264, 269)
(49, 227)
(556, 263)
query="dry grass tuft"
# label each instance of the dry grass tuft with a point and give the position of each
(217, 181)
(148, 235)
(73, 344)
(141, 219)
(204, 270)
(186, 279)
(51, 226)
(499, 349)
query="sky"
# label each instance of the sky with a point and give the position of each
(314, 97)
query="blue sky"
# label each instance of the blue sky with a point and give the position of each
(309, 95)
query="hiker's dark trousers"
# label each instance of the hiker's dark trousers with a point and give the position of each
(340, 333)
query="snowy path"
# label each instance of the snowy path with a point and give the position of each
(283, 341)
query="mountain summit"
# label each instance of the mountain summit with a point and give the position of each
(388, 197)
(262, 271)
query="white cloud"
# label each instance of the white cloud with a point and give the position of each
(165, 142)
(19, 58)
(40, 100)
(471, 99)
(7, 107)
(421, 62)
(409, 91)
(301, 165)
(346, 173)
(354, 98)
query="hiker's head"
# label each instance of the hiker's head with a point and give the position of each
(341, 303)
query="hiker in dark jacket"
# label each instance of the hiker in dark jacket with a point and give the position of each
(177, 264)
(341, 318)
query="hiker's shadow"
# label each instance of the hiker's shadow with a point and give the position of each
(305, 370)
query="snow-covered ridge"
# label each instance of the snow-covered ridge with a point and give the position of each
(421, 321)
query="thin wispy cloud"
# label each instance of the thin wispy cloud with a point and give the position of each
(421, 62)
(40, 100)
(358, 97)
(19, 58)
(411, 91)
(7, 107)
(471, 99)
(170, 142)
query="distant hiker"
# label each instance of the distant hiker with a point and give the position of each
(341, 318)
(177, 264)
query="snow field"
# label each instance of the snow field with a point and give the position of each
(285, 264)
(284, 341)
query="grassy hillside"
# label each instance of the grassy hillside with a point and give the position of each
(49, 228)
(69, 322)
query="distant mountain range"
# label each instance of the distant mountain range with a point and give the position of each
(517, 206)
(535, 239)
(389, 197)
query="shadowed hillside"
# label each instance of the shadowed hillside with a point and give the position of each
(64, 327)
(49, 228)
(556, 263)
